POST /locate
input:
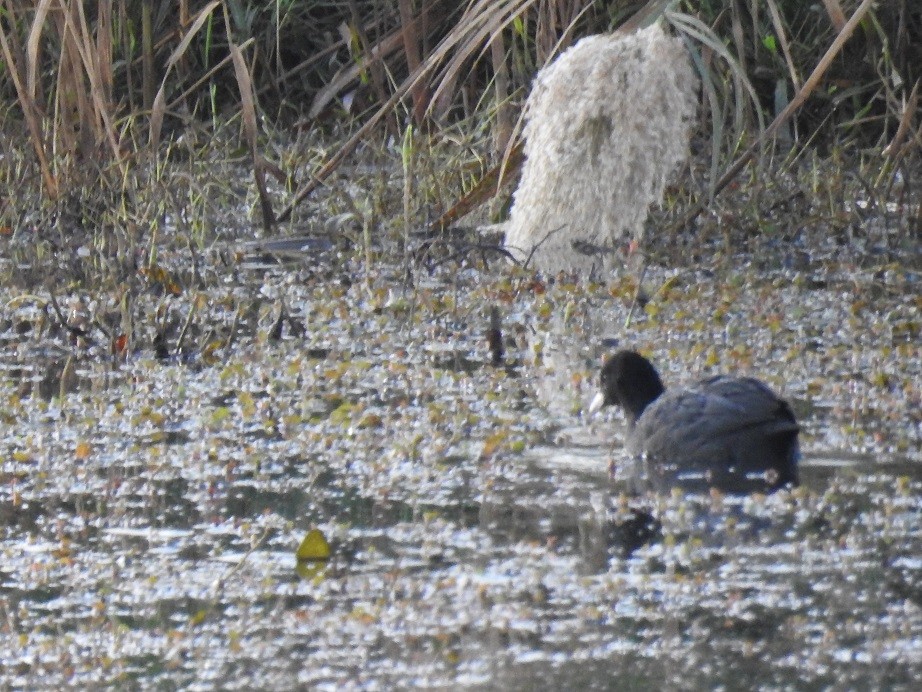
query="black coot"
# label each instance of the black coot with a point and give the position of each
(730, 433)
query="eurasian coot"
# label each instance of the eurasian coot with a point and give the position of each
(730, 433)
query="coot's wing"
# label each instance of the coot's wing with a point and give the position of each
(751, 399)
(728, 432)
(717, 407)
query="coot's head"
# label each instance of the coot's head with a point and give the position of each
(630, 381)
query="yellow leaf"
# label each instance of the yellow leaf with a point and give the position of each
(83, 450)
(292, 419)
(712, 358)
(341, 413)
(149, 416)
(335, 373)
(211, 348)
(220, 414)
(492, 443)
(880, 379)
(313, 547)
(234, 642)
(247, 405)
(232, 370)
(669, 284)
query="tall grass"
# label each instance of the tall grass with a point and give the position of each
(97, 84)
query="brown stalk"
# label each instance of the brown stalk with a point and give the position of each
(545, 32)
(373, 66)
(505, 120)
(27, 102)
(33, 65)
(411, 42)
(71, 103)
(147, 54)
(472, 37)
(124, 40)
(895, 147)
(184, 21)
(104, 49)
(250, 127)
(836, 15)
(737, 32)
(95, 111)
(158, 107)
(486, 187)
(785, 44)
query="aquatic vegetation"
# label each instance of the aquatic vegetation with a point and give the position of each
(153, 507)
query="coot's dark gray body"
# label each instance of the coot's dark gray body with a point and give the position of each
(730, 433)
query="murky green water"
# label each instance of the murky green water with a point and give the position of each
(149, 515)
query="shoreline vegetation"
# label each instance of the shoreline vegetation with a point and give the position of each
(116, 118)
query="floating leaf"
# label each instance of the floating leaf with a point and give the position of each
(211, 349)
(314, 547)
(774, 323)
(668, 285)
(220, 414)
(492, 443)
(233, 370)
(247, 404)
(234, 641)
(712, 358)
(120, 345)
(149, 416)
(333, 374)
(341, 413)
(158, 275)
(370, 420)
(880, 379)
